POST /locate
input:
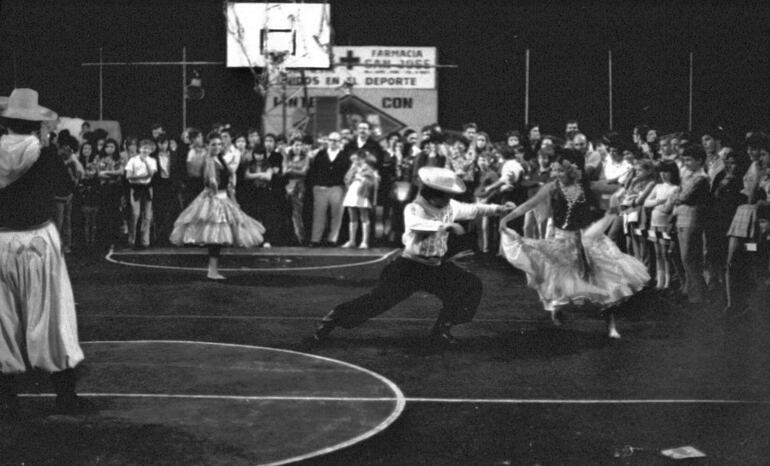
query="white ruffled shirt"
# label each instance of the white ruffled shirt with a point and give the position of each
(423, 242)
(18, 152)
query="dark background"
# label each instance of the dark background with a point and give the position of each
(569, 40)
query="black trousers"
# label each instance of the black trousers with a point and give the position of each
(458, 290)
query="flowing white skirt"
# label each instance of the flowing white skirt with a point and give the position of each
(554, 268)
(37, 307)
(215, 219)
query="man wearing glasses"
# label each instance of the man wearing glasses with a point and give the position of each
(327, 177)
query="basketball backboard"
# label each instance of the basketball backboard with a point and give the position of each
(295, 34)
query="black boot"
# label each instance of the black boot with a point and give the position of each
(440, 334)
(325, 326)
(67, 401)
(9, 402)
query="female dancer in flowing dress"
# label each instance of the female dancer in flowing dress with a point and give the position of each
(214, 219)
(579, 267)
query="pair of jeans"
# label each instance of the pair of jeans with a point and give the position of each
(141, 206)
(691, 250)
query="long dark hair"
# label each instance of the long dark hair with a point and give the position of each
(670, 167)
(93, 155)
(116, 154)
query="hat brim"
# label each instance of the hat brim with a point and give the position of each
(457, 187)
(38, 113)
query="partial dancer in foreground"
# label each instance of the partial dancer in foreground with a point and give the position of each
(214, 219)
(422, 265)
(38, 326)
(580, 266)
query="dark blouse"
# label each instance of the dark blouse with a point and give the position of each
(223, 174)
(727, 197)
(566, 217)
(30, 200)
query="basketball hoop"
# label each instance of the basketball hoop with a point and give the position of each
(277, 57)
(276, 66)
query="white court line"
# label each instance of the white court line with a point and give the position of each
(110, 258)
(271, 252)
(241, 317)
(400, 403)
(544, 320)
(516, 401)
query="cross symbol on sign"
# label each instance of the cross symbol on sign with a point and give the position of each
(350, 60)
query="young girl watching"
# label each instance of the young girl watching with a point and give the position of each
(661, 201)
(361, 180)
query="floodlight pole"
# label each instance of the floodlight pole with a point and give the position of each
(184, 88)
(15, 81)
(609, 74)
(284, 101)
(101, 84)
(689, 106)
(526, 88)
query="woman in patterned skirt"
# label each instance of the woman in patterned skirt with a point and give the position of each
(214, 219)
(579, 267)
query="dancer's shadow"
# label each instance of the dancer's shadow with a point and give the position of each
(540, 343)
(287, 280)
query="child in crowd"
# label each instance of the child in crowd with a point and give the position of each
(690, 214)
(111, 191)
(631, 199)
(660, 201)
(361, 180)
(88, 191)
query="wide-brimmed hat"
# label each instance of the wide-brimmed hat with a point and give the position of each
(22, 105)
(441, 179)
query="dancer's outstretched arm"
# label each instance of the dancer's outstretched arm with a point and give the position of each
(541, 196)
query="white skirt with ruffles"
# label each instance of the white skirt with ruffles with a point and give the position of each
(215, 219)
(604, 278)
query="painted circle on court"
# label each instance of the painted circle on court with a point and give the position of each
(253, 405)
(240, 260)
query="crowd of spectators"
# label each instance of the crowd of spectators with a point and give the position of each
(693, 208)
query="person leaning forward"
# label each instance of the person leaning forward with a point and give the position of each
(38, 327)
(422, 264)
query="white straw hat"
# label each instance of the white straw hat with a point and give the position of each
(22, 105)
(441, 179)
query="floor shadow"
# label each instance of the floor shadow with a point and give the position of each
(541, 343)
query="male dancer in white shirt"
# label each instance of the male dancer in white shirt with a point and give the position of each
(422, 265)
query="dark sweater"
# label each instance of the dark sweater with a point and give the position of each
(324, 172)
(371, 146)
(30, 200)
